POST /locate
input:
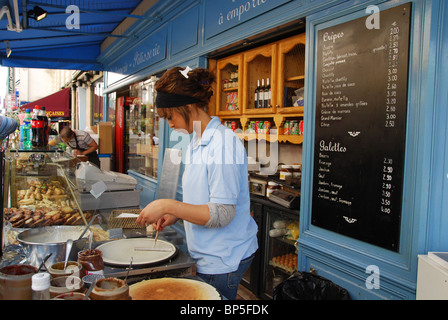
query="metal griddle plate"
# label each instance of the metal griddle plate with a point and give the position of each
(119, 252)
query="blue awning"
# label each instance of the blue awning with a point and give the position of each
(68, 38)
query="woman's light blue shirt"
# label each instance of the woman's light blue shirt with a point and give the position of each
(216, 171)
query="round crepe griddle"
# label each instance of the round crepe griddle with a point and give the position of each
(173, 289)
(119, 252)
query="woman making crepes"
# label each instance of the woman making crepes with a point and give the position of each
(220, 232)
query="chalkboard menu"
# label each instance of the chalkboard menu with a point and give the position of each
(360, 127)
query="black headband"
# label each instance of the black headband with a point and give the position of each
(169, 100)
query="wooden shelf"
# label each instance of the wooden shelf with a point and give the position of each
(292, 138)
(230, 89)
(229, 114)
(291, 110)
(259, 111)
(295, 78)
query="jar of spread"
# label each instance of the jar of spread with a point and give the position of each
(15, 282)
(71, 296)
(65, 284)
(271, 187)
(91, 261)
(73, 268)
(285, 172)
(110, 289)
(296, 172)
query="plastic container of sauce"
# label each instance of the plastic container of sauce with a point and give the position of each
(15, 282)
(91, 261)
(110, 289)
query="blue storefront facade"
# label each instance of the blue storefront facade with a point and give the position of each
(191, 31)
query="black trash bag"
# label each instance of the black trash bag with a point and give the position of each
(308, 286)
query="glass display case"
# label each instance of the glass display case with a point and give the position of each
(280, 243)
(39, 189)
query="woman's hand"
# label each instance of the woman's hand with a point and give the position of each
(152, 212)
(165, 221)
(172, 210)
(155, 213)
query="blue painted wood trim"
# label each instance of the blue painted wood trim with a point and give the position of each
(288, 12)
(399, 269)
(437, 220)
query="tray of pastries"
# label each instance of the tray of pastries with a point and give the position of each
(43, 202)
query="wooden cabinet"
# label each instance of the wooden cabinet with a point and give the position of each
(283, 63)
(259, 64)
(230, 88)
(291, 73)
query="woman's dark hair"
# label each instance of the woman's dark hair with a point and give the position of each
(197, 85)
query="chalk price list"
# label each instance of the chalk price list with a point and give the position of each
(361, 104)
(387, 186)
(392, 76)
(391, 116)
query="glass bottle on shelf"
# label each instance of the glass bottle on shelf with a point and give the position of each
(267, 94)
(257, 95)
(262, 96)
(235, 79)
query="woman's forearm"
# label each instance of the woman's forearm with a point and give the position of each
(197, 214)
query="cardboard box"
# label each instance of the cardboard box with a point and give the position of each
(106, 135)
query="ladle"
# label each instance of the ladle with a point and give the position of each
(68, 248)
(88, 226)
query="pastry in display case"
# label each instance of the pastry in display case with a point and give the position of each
(43, 202)
(38, 192)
